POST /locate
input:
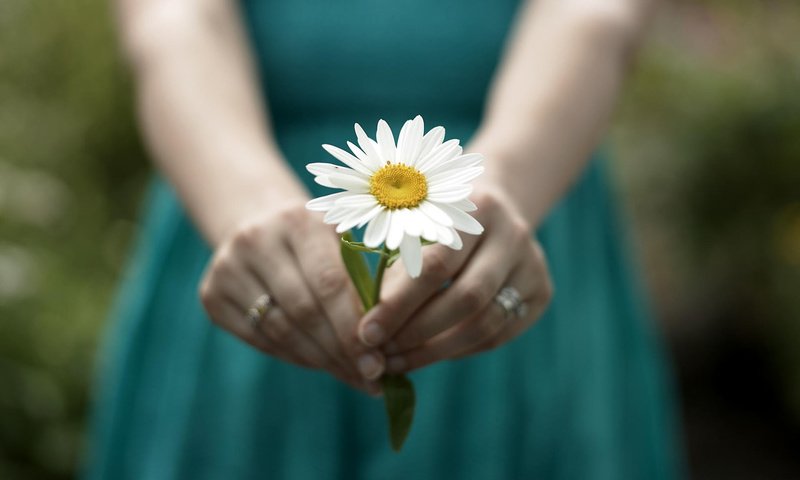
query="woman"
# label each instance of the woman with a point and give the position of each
(235, 99)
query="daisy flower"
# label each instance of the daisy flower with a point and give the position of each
(404, 192)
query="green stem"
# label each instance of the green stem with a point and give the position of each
(376, 293)
(398, 391)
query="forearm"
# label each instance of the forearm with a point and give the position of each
(201, 112)
(553, 96)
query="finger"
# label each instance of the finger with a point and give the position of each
(458, 339)
(402, 295)
(227, 290)
(224, 311)
(494, 326)
(472, 291)
(285, 283)
(228, 316)
(230, 278)
(279, 330)
(534, 278)
(291, 349)
(318, 253)
(242, 290)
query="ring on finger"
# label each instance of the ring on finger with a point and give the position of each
(258, 310)
(511, 302)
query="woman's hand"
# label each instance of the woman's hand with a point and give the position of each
(419, 322)
(294, 257)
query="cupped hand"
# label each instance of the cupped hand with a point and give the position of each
(291, 255)
(450, 311)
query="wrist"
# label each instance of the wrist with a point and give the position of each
(504, 178)
(494, 190)
(529, 166)
(244, 195)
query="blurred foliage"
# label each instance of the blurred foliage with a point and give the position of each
(708, 144)
(71, 170)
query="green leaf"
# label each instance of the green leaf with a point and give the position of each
(393, 257)
(359, 271)
(398, 391)
(400, 400)
(359, 246)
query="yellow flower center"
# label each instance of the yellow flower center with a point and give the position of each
(398, 186)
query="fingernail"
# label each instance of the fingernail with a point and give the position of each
(391, 347)
(396, 364)
(369, 366)
(372, 334)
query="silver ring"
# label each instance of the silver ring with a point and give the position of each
(511, 302)
(259, 308)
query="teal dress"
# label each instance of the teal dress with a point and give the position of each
(581, 395)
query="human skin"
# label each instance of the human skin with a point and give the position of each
(547, 110)
(203, 118)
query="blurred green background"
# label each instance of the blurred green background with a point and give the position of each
(707, 144)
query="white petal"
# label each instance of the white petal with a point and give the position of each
(456, 243)
(357, 200)
(385, 141)
(325, 181)
(444, 235)
(411, 254)
(462, 221)
(381, 161)
(435, 213)
(368, 145)
(451, 196)
(413, 224)
(440, 188)
(465, 205)
(367, 217)
(349, 182)
(336, 215)
(459, 162)
(469, 160)
(458, 175)
(365, 159)
(402, 140)
(430, 141)
(409, 141)
(358, 152)
(417, 134)
(439, 155)
(348, 159)
(328, 169)
(354, 217)
(449, 193)
(323, 204)
(377, 229)
(396, 229)
(428, 226)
